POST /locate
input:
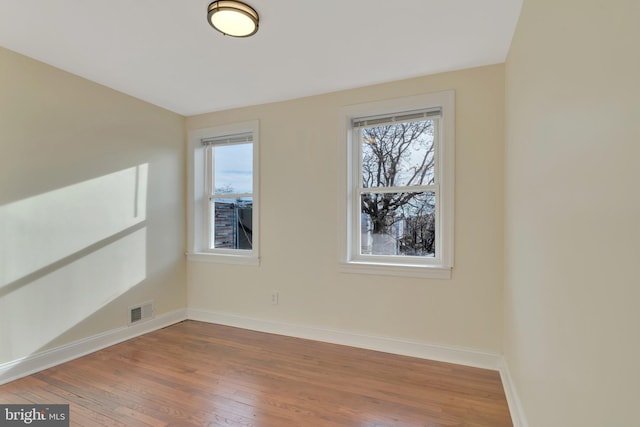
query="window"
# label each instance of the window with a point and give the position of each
(229, 184)
(399, 187)
(223, 218)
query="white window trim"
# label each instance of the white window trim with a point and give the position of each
(348, 261)
(197, 223)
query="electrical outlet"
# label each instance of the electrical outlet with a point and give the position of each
(275, 296)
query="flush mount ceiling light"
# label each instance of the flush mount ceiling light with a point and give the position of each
(233, 18)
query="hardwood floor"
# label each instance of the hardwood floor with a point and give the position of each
(199, 374)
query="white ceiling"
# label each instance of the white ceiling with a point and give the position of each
(165, 52)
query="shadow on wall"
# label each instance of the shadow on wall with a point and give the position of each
(67, 253)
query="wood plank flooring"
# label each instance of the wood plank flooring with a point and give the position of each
(200, 374)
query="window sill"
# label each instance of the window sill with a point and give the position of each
(222, 259)
(419, 271)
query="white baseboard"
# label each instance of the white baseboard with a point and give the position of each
(461, 356)
(513, 400)
(39, 361)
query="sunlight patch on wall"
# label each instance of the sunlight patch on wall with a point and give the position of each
(40, 230)
(40, 311)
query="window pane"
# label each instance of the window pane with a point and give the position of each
(399, 154)
(233, 168)
(232, 223)
(401, 224)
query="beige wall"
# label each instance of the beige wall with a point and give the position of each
(299, 174)
(91, 207)
(572, 337)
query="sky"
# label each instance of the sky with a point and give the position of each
(233, 167)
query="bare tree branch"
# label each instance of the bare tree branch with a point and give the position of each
(398, 155)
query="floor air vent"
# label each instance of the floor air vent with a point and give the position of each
(138, 313)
